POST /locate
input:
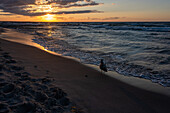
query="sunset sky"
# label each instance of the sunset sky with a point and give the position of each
(84, 10)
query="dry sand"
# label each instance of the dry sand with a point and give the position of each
(86, 87)
(20, 92)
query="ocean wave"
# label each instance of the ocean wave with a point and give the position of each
(115, 61)
(130, 48)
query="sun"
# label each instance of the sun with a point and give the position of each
(48, 17)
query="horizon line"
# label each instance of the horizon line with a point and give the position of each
(82, 21)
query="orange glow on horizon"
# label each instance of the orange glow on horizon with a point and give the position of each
(49, 18)
(85, 11)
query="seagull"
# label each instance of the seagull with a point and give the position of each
(103, 66)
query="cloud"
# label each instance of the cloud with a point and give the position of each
(37, 7)
(80, 5)
(77, 12)
(11, 3)
(64, 18)
(6, 14)
(108, 18)
(111, 18)
(88, 18)
(60, 2)
(64, 12)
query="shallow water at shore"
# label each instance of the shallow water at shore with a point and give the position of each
(132, 49)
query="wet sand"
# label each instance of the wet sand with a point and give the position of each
(90, 91)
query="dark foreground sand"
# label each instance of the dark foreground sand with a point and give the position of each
(20, 92)
(57, 82)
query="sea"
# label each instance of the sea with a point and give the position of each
(138, 49)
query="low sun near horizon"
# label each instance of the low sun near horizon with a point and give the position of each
(84, 10)
(48, 18)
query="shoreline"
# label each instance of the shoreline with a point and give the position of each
(136, 82)
(14, 36)
(94, 93)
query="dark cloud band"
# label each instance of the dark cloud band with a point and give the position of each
(19, 6)
(65, 12)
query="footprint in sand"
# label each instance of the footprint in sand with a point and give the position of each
(1, 74)
(20, 92)
(4, 108)
(10, 61)
(16, 68)
(6, 56)
(7, 88)
(24, 108)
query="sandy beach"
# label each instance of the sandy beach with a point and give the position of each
(82, 88)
